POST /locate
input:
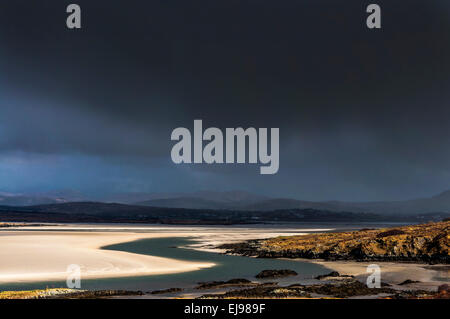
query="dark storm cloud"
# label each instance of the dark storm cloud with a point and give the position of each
(362, 114)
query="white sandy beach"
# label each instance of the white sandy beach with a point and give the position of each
(35, 256)
(30, 254)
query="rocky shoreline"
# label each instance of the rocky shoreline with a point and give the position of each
(331, 285)
(346, 289)
(426, 243)
(65, 293)
(11, 225)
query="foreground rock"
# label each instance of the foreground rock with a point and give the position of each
(408, 282)
(63, 293)
(334, 275)
(268, 290)
(273, 273)
(417, 243)
(96, 294)
(166, 291)
(342, 290)
(240, 282)
(345, 290)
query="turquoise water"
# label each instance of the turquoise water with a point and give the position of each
(227, 267)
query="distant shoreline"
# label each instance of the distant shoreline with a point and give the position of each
(98, 212)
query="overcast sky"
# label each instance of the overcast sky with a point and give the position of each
(363, 114)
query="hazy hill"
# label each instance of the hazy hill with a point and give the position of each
(199, 200)
(245, 201)
(207, 200)
(185, 202)
(40, 198)
(438, 203)
(24, 200)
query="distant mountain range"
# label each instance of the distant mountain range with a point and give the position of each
(236, 201)
(207, 200)
(40, 198)
(195, 200)
(438, 203)
(246, 201)
(95, 212)
(26, 200)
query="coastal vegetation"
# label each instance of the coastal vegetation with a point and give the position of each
(415, 243)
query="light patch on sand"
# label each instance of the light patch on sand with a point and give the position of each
(35, 256)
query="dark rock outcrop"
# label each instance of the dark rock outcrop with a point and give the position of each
(274, 273)
(166, 291)
(331, 274)
(392, 232)
(407, 282)
(334, 275)
(239, 282)
(351, 289)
